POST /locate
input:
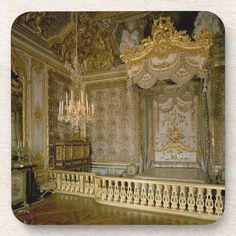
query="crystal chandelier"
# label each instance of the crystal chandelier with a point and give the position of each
(76, 110)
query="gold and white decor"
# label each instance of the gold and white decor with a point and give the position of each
(75, 109)
(168, 54)
(171, 55)
(156, 140)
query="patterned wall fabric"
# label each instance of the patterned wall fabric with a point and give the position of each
(115, 126)
(58, 131)
(218, 101)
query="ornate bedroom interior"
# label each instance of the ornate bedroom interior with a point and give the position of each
(117, 117)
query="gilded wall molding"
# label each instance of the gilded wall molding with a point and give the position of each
(19, 63)
(38, 115)
(27, 46)
(38, 67)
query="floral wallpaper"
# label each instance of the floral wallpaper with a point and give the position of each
(58, 131)
(115, 125)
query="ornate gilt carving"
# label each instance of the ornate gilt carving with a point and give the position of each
(19, 63)
(168, 54)
(93, 49)
(38, 114)
(37, 66)
(166, 40)
(44, 24)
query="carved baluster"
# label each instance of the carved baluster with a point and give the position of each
(59, 182)
(117, 191)
(182, 198)
(98, 191)
(55, 176)
(200, 200)
(104, 190)
(209, 202)
(191, 199)
(143, 194)
(166, 196)
(63, 182)
(81, 181)
(159, 195)
(219, 203)
(129, 193)
(92, 185)
(151, 195)
(136, 193)
(86, 184)
(68, 185)
(174, 197)
(110, 190)
(72, 188)
(77, 183)
(51, 176)
(123, 193)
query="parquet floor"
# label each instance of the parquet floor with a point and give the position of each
(68, 209)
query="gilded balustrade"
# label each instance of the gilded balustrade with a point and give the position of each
(189, 199)
(72, 182)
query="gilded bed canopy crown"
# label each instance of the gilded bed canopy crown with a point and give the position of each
(168, 54)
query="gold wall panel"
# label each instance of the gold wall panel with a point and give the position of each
(59, 153)
(78, 152)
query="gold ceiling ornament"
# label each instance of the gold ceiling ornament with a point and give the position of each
(94, 45)
(168, 54)
(77, 112)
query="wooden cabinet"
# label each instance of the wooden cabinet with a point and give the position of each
(73, 155)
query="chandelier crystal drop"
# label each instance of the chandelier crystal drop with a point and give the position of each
(75, 109)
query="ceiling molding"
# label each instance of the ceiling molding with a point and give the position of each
(116, 74)
(25, 44)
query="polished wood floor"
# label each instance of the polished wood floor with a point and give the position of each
(68, 209)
